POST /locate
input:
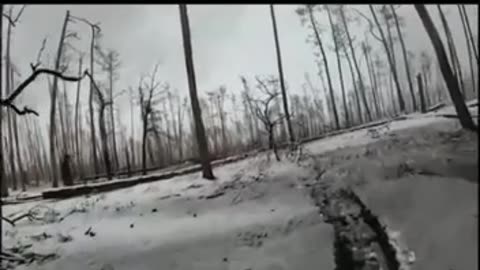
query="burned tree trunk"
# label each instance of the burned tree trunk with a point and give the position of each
(472, 41)
(196, 111)
(452, 84)
(390, 59)
(280, 72)
(325, 63)
(103, 137)
(339, 65)
(404, 52)
(77, 123)
(457, 70)
(423, 107)
(53, 152)
(3, 180)
(355, 62)
(469, 47)
(355, 90)
(373, 83)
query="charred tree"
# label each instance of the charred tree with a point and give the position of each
(452, 84)
(196, 111)
(280, 72)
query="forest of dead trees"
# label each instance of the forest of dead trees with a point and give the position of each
(385, 79)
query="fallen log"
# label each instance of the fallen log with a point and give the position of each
(78, 190)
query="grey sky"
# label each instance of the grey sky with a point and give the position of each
(228, 41)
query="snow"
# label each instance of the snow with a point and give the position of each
(273, 204)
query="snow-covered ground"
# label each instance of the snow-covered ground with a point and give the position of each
(264, 221)
(420, 175)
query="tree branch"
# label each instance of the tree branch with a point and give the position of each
(25, 110)
(370, 23)
(34, 75)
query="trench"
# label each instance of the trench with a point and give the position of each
(361, 242)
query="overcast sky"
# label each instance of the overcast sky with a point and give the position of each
(228, 41)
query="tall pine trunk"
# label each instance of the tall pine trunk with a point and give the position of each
(355, 90)
(423, 107)
(196, 110)
(77, 122)
(339, 65)
(457, 70)
(405, 60)
(467, 22)
(3, 180)
(53, 152)
(469, 48)
(21, 170)
(373, 83)
(391, 61)
(112, 116)
(325, 63)
(280, 72)
(357, 68)
(90, 105)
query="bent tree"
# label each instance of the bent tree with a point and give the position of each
(452, 83)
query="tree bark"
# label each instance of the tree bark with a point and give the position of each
(339, 65)
(53, 153)
(280, 72)
(453, 88)
(196, 111)
(404, 52)
(391, 62)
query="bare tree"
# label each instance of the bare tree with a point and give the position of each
(196, 111)
(77, 121)
(102, 104)
(404, 52)
(264, 110)
(308, 12)
(472, 39)
(95, 32)
(355, 63)
(336, 38)
(11, 22)
(452, 84)
(423, 107)
(148, 94)
(390, 55)
(110, 63)
(53, 156)
(280, 73)
(469, 47)
(456, 68)
(366, 53)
